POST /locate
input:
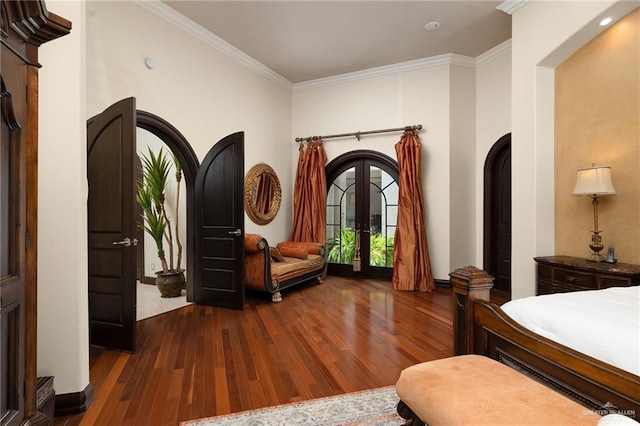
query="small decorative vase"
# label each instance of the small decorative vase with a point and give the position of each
(170, 284)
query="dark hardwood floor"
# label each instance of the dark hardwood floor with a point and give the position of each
(322, 340)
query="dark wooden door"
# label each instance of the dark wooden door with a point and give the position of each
(497, 214)
(362, 202)
(219, 230)
(111, 170)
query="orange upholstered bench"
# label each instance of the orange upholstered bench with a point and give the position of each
(477, 390)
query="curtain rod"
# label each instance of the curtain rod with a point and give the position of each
(358, 134)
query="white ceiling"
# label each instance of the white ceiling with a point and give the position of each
(308, 40)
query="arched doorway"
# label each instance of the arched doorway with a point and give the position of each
(181, 148)
(497, 215)
(112, 218)
(362, 201)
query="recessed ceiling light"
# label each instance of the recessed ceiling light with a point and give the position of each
(605, 21)
(149, 62)
(430, 26)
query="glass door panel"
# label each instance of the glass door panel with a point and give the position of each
(341, 218)
(383, 210)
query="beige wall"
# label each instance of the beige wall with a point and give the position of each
(493, 120)
(597, 103)
(416, 96)
(202, 91)
(63, 323)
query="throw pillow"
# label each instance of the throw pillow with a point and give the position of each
(276, 256)
(311, 248)
(296, 252)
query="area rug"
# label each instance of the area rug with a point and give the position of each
(375, 407)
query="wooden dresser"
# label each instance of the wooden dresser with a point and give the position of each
(557, 274)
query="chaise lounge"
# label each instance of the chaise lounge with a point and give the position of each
(273, 269)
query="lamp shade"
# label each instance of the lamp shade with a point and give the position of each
(594, 181)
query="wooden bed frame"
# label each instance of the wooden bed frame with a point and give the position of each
(481, 327)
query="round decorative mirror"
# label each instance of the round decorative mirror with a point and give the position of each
(262, 194)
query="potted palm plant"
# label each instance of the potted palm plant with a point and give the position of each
(156, 222)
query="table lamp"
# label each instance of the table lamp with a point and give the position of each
(594, 182)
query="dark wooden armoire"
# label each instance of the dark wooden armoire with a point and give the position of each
(24, 27)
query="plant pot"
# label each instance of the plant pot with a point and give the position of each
(170, 284)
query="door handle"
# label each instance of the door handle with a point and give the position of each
(237, 232)
(127, 242)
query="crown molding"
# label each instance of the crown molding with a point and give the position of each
(462, 60)
(162, 10)
(493, 53)
(446, 59)
(191, 27)
(512, 6)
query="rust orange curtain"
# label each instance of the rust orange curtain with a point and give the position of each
(310, 195)
(411, 266)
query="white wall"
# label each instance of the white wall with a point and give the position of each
(464, 110)
(63, 339)
(207, 95)
(398, 99)
(201, 91)
(493, 120)
(536, 49)
(462, 122)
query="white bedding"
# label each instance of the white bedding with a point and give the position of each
(604, 324)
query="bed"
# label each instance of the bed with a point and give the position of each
(611, 315)
(604, 385)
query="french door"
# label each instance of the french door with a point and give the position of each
(362, 209)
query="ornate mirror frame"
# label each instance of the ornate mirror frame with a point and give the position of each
(257, 171)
